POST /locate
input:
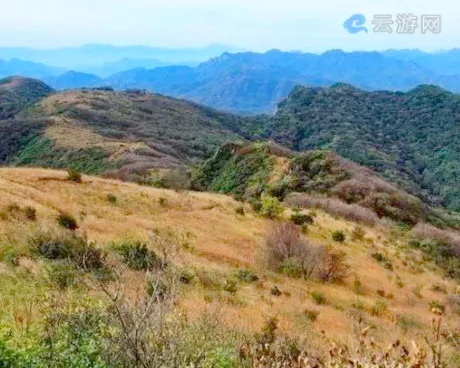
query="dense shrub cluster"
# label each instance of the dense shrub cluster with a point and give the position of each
(61, 245)
(137, 256)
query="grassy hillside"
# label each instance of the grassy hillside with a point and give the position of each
(101, 131)
(80, 301)
(411, 138)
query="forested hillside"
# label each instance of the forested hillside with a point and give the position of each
(17, 93)
(411, 138)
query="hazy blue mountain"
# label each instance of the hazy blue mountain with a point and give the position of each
(73, 79)
(444, 62)
(27, 69)
(114, 67)
(252, 82)
(95, 55)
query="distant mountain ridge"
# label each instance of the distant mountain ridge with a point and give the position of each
(244, 82)
(27, 69)
(97, 54)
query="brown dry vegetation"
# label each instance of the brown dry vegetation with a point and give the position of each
(216, 244)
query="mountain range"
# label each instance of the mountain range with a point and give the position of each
(255, 83)
(244, 82)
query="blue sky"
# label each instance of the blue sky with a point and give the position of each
(251, 24)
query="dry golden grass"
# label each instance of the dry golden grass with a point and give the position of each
(221, 242)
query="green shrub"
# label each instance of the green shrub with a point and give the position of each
(162, 201)
(256, 205)
(137, 256)
(67, 221)
(187, 275)
(271, 207)
(63, 245)
(301, 219)
(318, 297)
(56, 245)
(73, 175)
(338, 236)
(112, 198)
(230, 286)
(387, 263)
(246, 275)
(291, 268)
(9, 254)
(379, 308)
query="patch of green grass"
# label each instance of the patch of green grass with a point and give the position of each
(318, 297)
(40, 151)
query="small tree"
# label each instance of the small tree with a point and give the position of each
(271, 207)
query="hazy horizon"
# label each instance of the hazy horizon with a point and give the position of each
(250, 25)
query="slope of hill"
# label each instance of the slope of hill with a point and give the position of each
(97, 131)
(228, 289)
(16, 93)
(412, 138)
(253, 171)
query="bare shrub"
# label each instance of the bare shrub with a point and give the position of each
(449, 237)
(272, 349)
(283, 242)
(333, 267)
(291, 255)
(141, 322)
(358, 233)
(334, 207)
(166, 243)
